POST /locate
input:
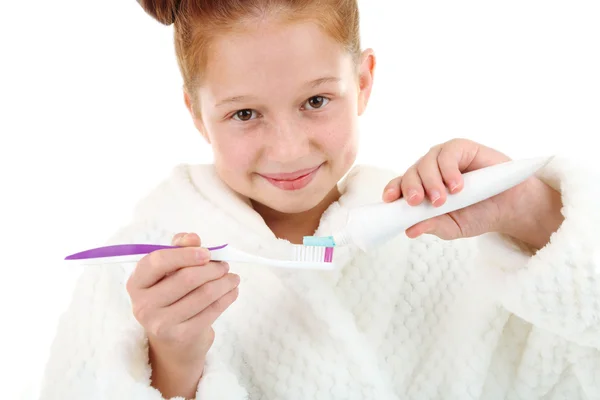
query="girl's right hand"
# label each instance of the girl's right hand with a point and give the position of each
(176, 296)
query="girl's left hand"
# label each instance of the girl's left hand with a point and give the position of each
(514, 212)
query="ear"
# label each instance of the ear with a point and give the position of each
(195, 117)
(366, 72)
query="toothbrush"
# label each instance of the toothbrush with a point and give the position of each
(374, 224)
(316, 256)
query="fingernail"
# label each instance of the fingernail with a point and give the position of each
(202, 254)
(453, 185)
(412, 193)
(389, 191)
(225, 266)
(435, 196)
(236, 279)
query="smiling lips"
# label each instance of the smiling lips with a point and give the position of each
(292, 180)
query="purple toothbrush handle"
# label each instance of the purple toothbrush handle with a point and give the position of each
(124, 250)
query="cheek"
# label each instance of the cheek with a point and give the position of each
(234, 157)
(339, 140)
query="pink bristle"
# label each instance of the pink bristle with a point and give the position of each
(328, 254)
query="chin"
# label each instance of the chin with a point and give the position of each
(292, 203)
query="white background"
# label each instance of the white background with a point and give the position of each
(92, 117)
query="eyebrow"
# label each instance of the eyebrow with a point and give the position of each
(312, 84)
(322, 81)
(234, 99)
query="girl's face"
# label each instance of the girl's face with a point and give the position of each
(279, 104)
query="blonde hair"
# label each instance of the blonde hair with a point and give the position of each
(196, 22)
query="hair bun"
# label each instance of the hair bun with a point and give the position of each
(164, 11)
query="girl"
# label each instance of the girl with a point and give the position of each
(499, 300)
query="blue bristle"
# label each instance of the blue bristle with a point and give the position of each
(324, 241)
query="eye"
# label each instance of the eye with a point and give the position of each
(316, 102)
(244, 115)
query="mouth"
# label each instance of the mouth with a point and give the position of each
(292, 180)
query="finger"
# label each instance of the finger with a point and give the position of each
(392, 190)
(189, 240)
(412, 187)
(158, 264)
(184, 281)
(471, 156)
(430, 175)
(200, 299)
(210, 314)
(185, 240)
(448, 163)
(177, 237)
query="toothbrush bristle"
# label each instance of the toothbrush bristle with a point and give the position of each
(313, 253)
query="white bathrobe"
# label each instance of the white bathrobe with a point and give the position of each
(479, 318)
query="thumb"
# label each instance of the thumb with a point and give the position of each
(427, 226)
(442, 226)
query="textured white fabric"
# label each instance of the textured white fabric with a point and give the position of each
(477, 318)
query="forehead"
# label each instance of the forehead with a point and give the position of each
(269, 56)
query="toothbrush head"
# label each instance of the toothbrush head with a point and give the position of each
(315, 249)
(310, 253)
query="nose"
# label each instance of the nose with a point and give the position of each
(287, 141)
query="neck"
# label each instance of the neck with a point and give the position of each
(293, 227)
